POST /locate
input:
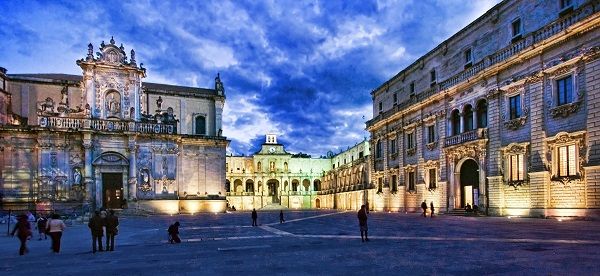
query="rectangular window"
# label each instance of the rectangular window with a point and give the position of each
(432, 77)
(412, 89)
(468, 58)
(360, 155)
(394, 183)
(564, 88)
(516, 27)
(393, 146)
(567, 161)
(410, 143)
(395, 98)
(379, 184)
(431, 134)
(515, 106)
(380, 107)
(432, 179)
(411, 181)
(515, 170)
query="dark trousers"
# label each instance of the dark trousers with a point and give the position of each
(110, 241)
(96, 239)
(175, 238)
(432, 211)
(424, 212)
(55, 236)
(23, 247)
(254, 222)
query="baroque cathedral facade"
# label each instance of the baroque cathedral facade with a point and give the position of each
(107, 139)
(501, 115)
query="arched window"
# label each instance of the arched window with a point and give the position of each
(455, 122)
(317, 185)
(468, 118)
(285, 166)
(379, 151)
(482, 114)
(200, 127)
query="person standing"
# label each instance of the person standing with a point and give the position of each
(254, 217)
(424, 207)
(362, 223)
(174, 233)
(95, 224)
(55, 228)
(112, 223)
(432, 209)
(24, 231)
(281, 220)
(41, 226)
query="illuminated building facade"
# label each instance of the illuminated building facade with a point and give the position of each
(107, 139)
(502, 115)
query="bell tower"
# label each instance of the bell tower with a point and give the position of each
(112, 84)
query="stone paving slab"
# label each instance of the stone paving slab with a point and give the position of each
(321, 243)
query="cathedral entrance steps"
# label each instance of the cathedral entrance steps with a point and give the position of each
(273, 207)
(462, 213)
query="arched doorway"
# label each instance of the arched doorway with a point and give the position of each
(111, 170)
(317, 203)
(273, 186)
(237, 186)
(469, 183)
(249, 186)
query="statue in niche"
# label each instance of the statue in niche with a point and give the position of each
(113, 104)
(76, 176)
(145, 177)
(113, 57)
(159, 103)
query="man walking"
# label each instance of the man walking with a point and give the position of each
(362, 223)
(432, 209)
(281, 220)
(95, 224)
(112, 222)
(254, 217)
(424, 207)
(24, 232)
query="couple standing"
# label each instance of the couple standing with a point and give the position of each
(97, 223)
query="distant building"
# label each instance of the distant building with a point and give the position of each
(502, 115)
(107, 139)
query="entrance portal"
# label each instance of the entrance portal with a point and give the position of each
(469, 183)
(273, 190)
(112, 190)
(317, 203)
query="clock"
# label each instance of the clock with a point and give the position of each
(272, 149)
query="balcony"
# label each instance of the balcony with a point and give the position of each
(480, 133)
(106, 125)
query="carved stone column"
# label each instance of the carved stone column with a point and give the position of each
(451, 188)
(462, 122)
(132, 182)
(88, 177)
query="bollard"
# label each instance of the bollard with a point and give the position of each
(8, 224)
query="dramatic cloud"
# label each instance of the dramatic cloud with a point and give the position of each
(300, 69)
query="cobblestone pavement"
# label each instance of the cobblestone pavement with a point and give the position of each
(323, 243)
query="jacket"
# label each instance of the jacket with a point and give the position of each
(95, 224)
(55, 225)
(362, 217)
(112, 222)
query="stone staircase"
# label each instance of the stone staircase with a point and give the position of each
(462, 213)
(273, 207)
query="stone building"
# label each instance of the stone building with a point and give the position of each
(274, 177)
(502, 115)
(107, 139)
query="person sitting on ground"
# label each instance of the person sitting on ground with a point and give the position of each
(468, 208)
(475, 209)
(174, 233)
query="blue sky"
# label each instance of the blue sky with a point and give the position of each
(301, 69)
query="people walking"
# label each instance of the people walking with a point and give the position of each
(362, 223)
(24, 232)
(112, 224)
(41, 226)
(254, 217)
(55, 228)
(174, 233)
(432, 209)
(95, 224)
(281, 220)
(424, 207)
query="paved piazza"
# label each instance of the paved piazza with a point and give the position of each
(321, 242)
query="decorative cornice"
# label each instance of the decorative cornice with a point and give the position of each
(565, 110)
(515, 124)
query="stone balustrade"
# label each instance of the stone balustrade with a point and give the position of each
(106, 125)
(480, 133)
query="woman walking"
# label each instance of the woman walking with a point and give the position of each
(55, 228)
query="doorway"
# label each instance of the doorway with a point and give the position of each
(469, 183)
(273, 186)
(112, 190)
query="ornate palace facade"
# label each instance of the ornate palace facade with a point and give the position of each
(275, 177)
(502, 115)
(107, 139)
